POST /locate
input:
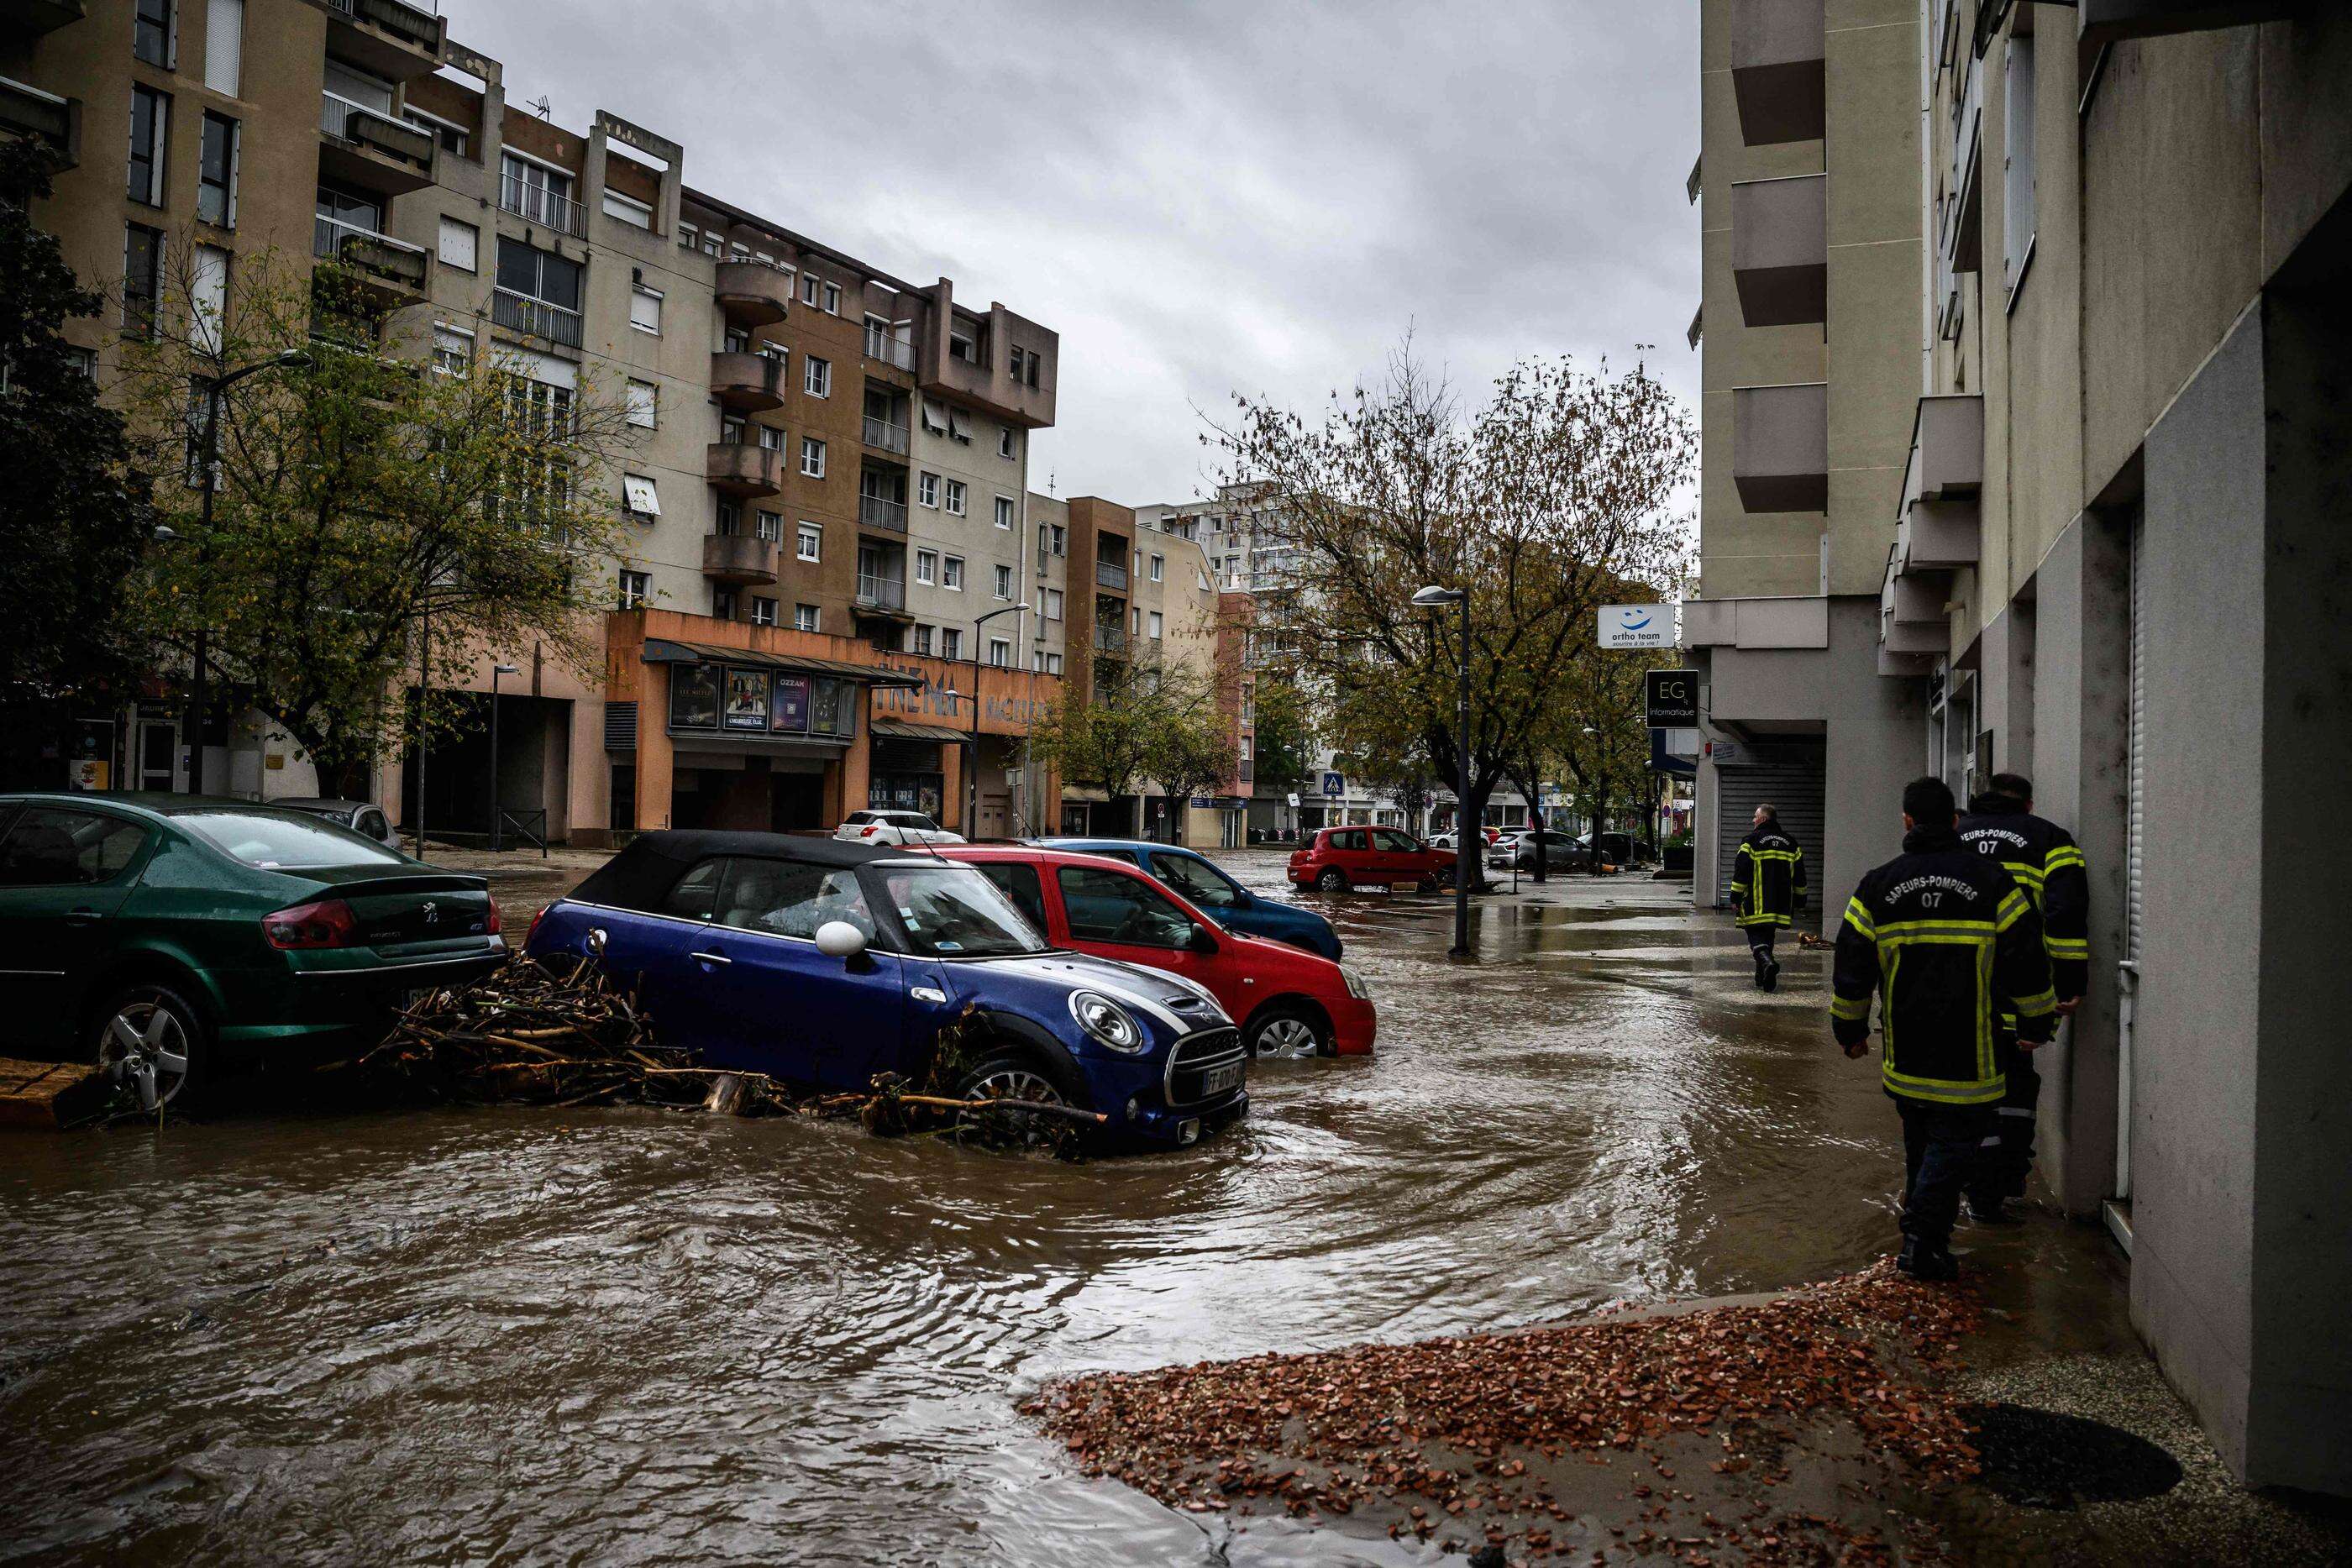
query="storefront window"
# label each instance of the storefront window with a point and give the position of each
(693, 697)
(834, 708)
(746, 699)
(791, 711)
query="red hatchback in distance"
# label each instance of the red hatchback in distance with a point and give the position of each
(1338, 859)
(1288, 1002)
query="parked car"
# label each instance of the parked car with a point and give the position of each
(825, 963)
(1203, 884)
(171, 937)
(1289, 1003)
(1517, 850)
(367, 821)
(1448, 840)
(888, 829)
(1338, 859)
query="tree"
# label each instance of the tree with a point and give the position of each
(1146, 722)
(1601, 741)
(72, 527)
(1283, 748)
(1542, 504)
(377, 522)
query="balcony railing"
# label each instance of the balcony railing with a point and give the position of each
(889, 437)
(881, 512)
(28, 111)
(1109, 576)
(896, 352)
(376, 131)
(881, 592)
(378, 256)
(405, 22)
(536, 317)
(538, 204)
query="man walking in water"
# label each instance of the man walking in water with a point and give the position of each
(1768, 881)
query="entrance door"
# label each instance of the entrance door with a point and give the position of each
(157, 765)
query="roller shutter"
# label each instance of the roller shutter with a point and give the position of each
(1789, 776)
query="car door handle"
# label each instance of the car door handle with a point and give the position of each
(85, 915)
(710, 958)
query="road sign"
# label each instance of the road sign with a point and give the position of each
(1670, 698)
(1335, 785)
(1637, 626)
(1294, 797)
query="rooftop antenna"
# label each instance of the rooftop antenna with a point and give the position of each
(543, 109)
(1049, 481)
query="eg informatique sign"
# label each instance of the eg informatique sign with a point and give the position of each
(1637, 625)
(1670, 698)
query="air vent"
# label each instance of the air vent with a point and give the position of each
(620, 726)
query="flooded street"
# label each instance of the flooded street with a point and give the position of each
(627, 1335)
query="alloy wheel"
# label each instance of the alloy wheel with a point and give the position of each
(145, 1049)
(1010, 1082)
(1290, 1038)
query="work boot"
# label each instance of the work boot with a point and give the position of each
(1770, 978)
(1764, 968)
(1922, 1262)
(1993, 1211)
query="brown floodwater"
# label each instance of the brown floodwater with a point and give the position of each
(633, 1336)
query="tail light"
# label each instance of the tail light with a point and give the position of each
(868, 830)
(326, 924)
(535, 919)
(491, 926)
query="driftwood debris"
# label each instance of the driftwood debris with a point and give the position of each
(49, 1094)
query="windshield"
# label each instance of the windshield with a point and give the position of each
(285, 841)
(953, 912)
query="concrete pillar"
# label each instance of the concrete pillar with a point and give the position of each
(952, 763)
(655, 755)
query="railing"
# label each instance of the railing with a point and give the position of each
(538, 204)
(1109, 576)
(531, 827)
(374, 129)
(889, 437)
(365, 250)
(881, 592)
(412, 23)
(881, 512)
(891, 350)
(1110, 638)
(536, 317)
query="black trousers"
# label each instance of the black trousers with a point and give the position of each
(2006, 1158)
(1759, 939)
(1941, 1146)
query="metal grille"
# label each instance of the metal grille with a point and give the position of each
(1197, 1055)
(1790, 777)
(620, 726)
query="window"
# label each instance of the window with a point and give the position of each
(722, 603)
(816, 376)
(1154, 625)
(811, 545)
(539, 275)
(2017, 184)
(1003, 511)
(636, 587)
(952, 572)
(927, 489)
(955, 497)
(150, 32)
(538, 193)
(223, 45)
(1053, 608)
(637, 498)
(812, 457)
(142, 279)
(999, 654)
(790, 898)
(803, 617)
(1159, 568)
(1061, 540)
(688, 235)
(151, 114)
(208, 298)
(461, 245)
(1111, 906)
(1004, 440)
(809, 285)
(1053, 664)
(950, 642)
(1024, 363)
(927, 566)
(217, 171)
(1005, 582)
(770, 438)
(453, 349)
(763, 610)
(768, 527)
(729, 520)
(710, 245)
(644, 401)
(960, 345)
(923, 640)
(628, 210)
(645, 309)
(832, 299)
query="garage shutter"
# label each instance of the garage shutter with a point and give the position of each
(2135, 751)
(895, 754)
(1789, 776)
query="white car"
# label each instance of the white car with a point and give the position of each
(893, 828)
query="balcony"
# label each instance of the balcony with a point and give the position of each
(881, 512)
(1780, 250)
(881, 595)
(391, 38)
(1777, 70)
(1107, 575)
(518, 313)
(538, 204)
(26, 19)
(885, 436)
(752, 293)
(29, 114)
(1781, 447)
(738, 559)
(2105, 22)
(370, 150)
(1110, 637)
(898, 353)
(748, 383)
(1938, 526)
(736, 468)
(392, 271)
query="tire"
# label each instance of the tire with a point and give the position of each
(1426, 884)
(1289, 1031)
(1014, 1075)
(153, 1044)
(1332, 880)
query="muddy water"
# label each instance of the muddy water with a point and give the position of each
(621, 1337)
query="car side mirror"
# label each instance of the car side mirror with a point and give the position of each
(1200, 940)
(840, 939)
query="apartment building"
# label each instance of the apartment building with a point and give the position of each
(2117, 566)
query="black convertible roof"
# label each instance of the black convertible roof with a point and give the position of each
(644, 872)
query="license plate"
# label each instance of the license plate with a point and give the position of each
(411, 996)
(1218, 1080)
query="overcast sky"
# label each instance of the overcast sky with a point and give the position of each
(1259, 195)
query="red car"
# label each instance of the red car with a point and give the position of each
(1338, 859)
(1288, 1002)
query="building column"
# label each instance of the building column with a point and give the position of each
(952, 763)
(655, 755)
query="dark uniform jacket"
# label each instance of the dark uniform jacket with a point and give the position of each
(2042, 859)
(1766, 875)
(1949, 942)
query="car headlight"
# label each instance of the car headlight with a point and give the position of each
(1355, 987)
(1107, 1023)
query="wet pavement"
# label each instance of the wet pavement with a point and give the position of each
(627, 1335)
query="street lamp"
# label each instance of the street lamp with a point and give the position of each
(1434, 598)
(971, 762)
(496, 671)
(207, 463)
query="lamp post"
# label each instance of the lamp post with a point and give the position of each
(971, 763)
(496, 671)
(207, 463)
(1433, 598)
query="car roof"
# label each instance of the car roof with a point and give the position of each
(1033, 854)
(319, 803)
(1089, 846)
(649, 865)
(147, 802)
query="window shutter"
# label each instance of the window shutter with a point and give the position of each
(224, 45)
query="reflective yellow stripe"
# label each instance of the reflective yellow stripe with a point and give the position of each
(2041, 1004)
(2063, 855)
(2067, 947)
(1968, 930)
(1858, 918)
(2010, 910)
(1775, 854)
(1944, 1091)
(1850, 1007)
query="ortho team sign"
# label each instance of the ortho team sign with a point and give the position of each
(1637, 625)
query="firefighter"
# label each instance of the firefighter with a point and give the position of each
(1950, 943)
(1768, 883)
(2043, 861)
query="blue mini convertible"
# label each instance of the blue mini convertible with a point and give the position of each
(1203, 884)
(824, 962)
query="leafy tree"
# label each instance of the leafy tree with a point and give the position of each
(1602, 746)
(374, 519)
(72, 528)
(1283, 748)
(1194, 751)
(1542, 504)
(1146, 722)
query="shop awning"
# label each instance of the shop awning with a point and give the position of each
(898, 729)
(671, 650)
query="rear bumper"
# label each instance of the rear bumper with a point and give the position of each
(327, 1007)
(1354, 1026)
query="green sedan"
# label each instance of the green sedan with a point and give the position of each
(171, 937)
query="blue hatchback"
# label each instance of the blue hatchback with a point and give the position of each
(825, 963)
(1203, 884)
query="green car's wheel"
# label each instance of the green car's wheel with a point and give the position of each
(151, 1043)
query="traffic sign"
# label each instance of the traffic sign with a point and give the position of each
(1670, 698)
(1335, 785)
